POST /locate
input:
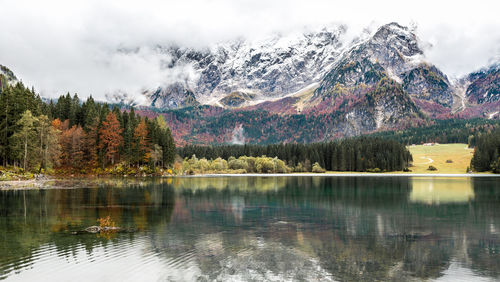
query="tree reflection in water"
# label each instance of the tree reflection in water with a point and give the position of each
(303, 228)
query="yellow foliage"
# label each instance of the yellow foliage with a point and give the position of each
(106, 222)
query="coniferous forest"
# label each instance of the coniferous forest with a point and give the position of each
(76, 137)
(354, 154)
(486, 154)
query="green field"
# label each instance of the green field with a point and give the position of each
(437, 155)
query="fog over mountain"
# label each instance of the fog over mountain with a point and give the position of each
(111, 48)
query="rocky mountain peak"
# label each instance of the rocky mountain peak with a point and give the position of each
(394, 52)
(394, 47)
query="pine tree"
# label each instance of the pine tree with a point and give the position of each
(5, 121)
(168, 148)
(89, 113)
(46, 135)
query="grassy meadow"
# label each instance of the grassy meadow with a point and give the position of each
(437, 155)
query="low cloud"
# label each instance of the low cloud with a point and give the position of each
(99, 47)
(238, 136)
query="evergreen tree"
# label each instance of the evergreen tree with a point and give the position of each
(168, 148)
(486, 152)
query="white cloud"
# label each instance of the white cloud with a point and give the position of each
(61, 46)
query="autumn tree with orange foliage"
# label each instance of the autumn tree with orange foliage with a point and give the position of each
(72, 144)
(142, 142)
(91, 143)
(110, 136)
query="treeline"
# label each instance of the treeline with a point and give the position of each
(356, 154)
(77, 136)
(487, 153)
(443, 131)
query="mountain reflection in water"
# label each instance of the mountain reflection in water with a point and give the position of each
(255, 228)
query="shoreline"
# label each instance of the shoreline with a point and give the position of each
(39, 183)
(23, 184)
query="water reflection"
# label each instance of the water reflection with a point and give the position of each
(256, 228)
(439, 190)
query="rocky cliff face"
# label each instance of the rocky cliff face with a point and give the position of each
(172, 96)
(484, 85)
(426, 82)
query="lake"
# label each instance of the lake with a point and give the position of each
(298, 228)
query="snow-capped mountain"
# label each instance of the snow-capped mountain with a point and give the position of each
(392, 52)
(241, 73)
(262, 69)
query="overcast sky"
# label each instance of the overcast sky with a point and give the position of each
(60, 45)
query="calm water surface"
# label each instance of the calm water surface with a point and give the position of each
(254, 229)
